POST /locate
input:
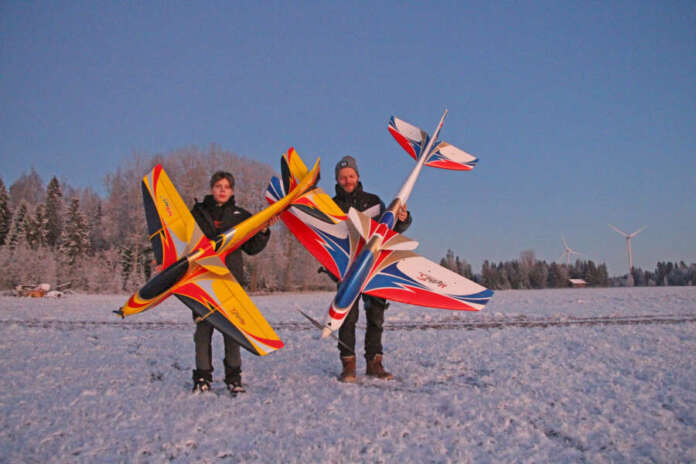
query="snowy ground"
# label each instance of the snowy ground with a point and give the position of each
(539, 376)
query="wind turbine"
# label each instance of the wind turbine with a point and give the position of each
(568, 251)
(628, 238)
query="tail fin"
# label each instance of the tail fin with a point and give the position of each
(444, 156)
(292, 169)
(173, 231)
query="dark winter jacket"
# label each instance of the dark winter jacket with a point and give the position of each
(361, 200)
(214, 219)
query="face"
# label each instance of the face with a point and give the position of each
(348, 179)
(222, 191)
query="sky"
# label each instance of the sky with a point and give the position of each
(581, 113)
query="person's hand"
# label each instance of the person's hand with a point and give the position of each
(271, 222)
(402, 214)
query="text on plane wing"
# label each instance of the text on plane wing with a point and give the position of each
(430, 279)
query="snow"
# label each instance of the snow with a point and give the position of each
(597, 375)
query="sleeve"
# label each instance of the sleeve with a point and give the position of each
(256, 243)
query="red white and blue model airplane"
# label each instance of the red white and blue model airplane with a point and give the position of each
(368, 256)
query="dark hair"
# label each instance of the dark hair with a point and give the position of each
(218, 176)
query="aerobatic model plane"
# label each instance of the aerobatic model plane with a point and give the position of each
(368, 256)
(193, 266)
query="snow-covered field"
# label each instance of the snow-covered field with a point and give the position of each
(581, 375)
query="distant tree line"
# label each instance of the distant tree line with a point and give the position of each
(63, 235)
(665, 273)
(529, 273)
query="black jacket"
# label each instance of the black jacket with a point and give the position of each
(361, 200)
(214, 219)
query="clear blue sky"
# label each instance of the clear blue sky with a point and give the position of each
(582, 113)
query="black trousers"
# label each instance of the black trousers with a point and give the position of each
(374, 311)
(202, 337)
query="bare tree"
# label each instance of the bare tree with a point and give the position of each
(28, 187)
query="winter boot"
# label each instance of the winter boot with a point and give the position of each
(348, 374)
(234, 382)
(201, 380)
(374, 368)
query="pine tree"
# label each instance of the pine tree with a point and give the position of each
(489, 276)
(539, 275)
(54, 210)
(17, 234)
(463, 268)
(96, 229)
(602, 275)
(558, 276)
(591, 273)
(41, 219)
(448, 261)
(75, 243)
(5, 213)
(32, 229)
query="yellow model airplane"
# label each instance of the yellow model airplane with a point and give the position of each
(193, 266)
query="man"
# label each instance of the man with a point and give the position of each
(349, 192)
(217, 213)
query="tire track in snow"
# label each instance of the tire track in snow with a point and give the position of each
(498, 323)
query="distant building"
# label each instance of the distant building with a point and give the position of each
(576, 283)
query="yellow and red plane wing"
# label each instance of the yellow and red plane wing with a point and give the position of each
(221, 300)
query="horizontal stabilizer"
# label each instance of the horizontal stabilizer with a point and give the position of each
(411, 138)
(443, 155)
(446, 156)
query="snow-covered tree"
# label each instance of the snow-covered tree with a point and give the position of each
(41, 219)
(54, 213)
(448, 262)
(32, 227)
(25, 265)
(539, 274)
(558, 276)
(29, 188)
(463, 268)
(96, 229)
(75, 238)
(5, 213)
(18, 234)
